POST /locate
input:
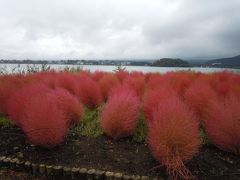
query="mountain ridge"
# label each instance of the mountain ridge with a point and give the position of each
(224, 62)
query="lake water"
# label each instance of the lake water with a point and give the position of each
(14, 68)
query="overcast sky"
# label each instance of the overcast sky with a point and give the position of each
(119, 29)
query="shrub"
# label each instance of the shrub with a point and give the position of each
(153, 98)
(137, 83)
(106, 83)
(199, 96)
(121, 75)
(97, 75)
(88, 91)
(180, 81)
(67, 81)
(154, 81)
(17, 102)
(173, 137)
(48, 78)
(8, 85)
(221, 82)
(44, 123)
(69, 104)
(223, 123)
(119, 116)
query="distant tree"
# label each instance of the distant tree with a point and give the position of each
(168, 62)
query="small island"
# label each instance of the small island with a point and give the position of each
(169, 62)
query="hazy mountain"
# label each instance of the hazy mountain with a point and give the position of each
(225, 62)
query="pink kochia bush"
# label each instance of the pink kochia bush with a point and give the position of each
(17, 103)
(173, 137)
(119, 116)
(45, 124)
(8, 85)
(88, 91)
(106, 83)
(42, 112)
(199, 97)
(69, 104)
(136, 82)
(223, 124)
(67, 81)
(152, 98)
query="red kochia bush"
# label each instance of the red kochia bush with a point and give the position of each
(198, 96)
(180, 81)
(97, 75)
(44, 122)
(223, 124)
(173, 137)
(119, 116)
(137, 83)
(67, 81)
(88, 91)
(106, 83)
(154, 81)
(8, 85)
(16, 104)
(48, 78)
(221, 82)
(153, 98)
(121, 75)
(69, 104)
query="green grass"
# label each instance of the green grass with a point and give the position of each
(140, 132)
(5, 121)
(74, 69)
(90, 125)
(204, 138)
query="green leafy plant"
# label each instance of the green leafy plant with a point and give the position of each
(5, 122)
(119, 68)
(73, 69)
(203, 137)
(90, 125)
(140, 132)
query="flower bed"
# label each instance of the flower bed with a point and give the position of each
(126, 123)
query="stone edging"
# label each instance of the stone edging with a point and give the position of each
(51, 171)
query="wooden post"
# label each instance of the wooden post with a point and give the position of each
(99, 174)
(144, 178)
(75, 173)
(27, 166)
(118, 176)
(83, 173)
(58, 171)
(109, 175)
(49, 170)
(67, 172)
(126, 177)
(42, 169)
(35, 168)
(19, 165)
(90, 174)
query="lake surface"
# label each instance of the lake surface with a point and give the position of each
(15, 68)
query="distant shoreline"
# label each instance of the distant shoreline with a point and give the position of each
(74, 64)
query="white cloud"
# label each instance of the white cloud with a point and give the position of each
(118, 29)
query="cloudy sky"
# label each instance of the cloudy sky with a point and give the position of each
(119, 29)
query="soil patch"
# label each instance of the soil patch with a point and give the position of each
(125, 155)
(13, 175)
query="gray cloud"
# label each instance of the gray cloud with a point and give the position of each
(138, 29)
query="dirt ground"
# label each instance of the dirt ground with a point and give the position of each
(125, 155)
